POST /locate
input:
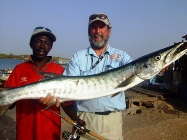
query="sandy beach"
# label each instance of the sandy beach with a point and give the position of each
(168, 121)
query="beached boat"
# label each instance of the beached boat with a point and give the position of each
(63, 62)
(4, 74)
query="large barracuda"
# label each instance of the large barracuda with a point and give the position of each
(99, 85)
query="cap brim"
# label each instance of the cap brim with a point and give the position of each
(105, 22)
(52, 36)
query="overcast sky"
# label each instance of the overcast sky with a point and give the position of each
(139, 27)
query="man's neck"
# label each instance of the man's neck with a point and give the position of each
(40, 62)
(100, 51)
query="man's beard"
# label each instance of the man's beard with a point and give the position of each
(97, 45)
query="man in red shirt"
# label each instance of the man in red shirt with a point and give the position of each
(32, 122)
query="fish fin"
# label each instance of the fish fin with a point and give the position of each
(48, 75)
(12, 105)
(127, 82)
(124, 84)
(115, 94)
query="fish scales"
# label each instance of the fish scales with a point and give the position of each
(99, 85)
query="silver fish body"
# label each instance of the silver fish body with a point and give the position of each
(99, 85)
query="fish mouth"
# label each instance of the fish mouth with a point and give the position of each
(162, 59)
(176, 53)
(180, 49)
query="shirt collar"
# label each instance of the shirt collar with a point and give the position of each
(90, 51)
(30, 59)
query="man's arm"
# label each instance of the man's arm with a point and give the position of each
(71, 112)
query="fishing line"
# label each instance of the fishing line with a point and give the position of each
(4, 113)
(73, 123)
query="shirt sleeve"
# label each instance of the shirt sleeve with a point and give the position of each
(12, 80)
(72, 69)
(125, 58)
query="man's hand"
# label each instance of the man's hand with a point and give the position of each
(49, 100)
(81, 123)
(71, 112)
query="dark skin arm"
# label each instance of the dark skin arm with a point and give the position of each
(71, 112)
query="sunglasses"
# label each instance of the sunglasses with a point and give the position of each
(43, 28)
(100, 16)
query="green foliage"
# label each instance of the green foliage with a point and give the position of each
(12, 56)
(23, 56)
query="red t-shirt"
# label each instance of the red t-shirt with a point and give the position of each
(31, 122)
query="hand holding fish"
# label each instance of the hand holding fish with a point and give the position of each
(49, 100)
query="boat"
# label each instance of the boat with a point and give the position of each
(63, 61)
(4, 74)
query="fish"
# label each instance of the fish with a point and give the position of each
(106, 83)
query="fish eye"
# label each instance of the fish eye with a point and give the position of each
(157, 58)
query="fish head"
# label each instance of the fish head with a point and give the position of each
(150, 65)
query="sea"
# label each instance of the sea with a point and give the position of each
(9, 63)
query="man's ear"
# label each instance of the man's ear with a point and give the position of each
(51, 45)
(30, 44)
(88, 31)
(109, 31)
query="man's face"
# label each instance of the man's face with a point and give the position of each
(99, 34)
(41, 45)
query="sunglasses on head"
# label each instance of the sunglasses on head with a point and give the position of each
(42, 28)
(100, 16)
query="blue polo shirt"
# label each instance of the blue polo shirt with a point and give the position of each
(81, 64)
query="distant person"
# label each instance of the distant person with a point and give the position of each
(102, 115)
(9, 70)
(33, 122)
(4, 70)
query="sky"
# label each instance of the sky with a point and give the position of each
(139, 27)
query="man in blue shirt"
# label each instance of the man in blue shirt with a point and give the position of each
(102, 115)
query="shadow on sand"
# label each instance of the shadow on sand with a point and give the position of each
(174, 99)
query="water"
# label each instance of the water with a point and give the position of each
(9, 63)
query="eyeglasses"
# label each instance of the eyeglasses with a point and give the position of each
(43, 28)
(100, 16)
